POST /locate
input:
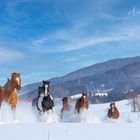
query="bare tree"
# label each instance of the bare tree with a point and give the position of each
(134, 101)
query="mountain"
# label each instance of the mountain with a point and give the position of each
(116, 76)
(97, 69)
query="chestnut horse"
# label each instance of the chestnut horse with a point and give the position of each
(82, 103)
(66, 106)
(113, 111)
(8, 92)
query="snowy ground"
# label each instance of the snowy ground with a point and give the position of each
(92, 124)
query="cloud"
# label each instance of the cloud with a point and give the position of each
(73, 43)
(134, 12)
(8, 55)
(90, 42)
(81, 35)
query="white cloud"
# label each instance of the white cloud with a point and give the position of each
(134, 12)
(90, 42)
(9, 55)
(78, 36)
(80, 43)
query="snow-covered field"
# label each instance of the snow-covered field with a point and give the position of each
(91, 125)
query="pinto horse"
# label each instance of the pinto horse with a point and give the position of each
(82, 103)
(8, 92)
(113, 112)
(44, 102)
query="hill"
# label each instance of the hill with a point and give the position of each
(116, 77)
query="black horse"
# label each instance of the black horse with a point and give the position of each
(44, 101)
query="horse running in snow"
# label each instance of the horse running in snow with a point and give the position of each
(44, 102)
(8, 91)
(82, 103)
(66, 107)
(113, 112)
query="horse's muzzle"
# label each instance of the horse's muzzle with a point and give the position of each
(19, 88)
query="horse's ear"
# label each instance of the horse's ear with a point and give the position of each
(83, 93)
(43, 81)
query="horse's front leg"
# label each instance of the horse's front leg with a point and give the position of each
(14, 111)
(13, 105)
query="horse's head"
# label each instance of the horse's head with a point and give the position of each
(16, 81)
(84, 101)
(112, 106)
(46, 86)
(65, 102)
(46, 82)
(84, 97)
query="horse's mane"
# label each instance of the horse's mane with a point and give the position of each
(81, 103)
(6, 84)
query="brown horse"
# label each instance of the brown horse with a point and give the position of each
(113, 112)
(66, 106)
(8, 92)
(82, 103)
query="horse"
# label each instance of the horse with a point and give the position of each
(8, 91)
(113, 112)
(82, 103)
(44, 101)
(66, 107)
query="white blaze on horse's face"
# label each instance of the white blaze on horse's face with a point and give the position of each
(18, 80)
(84, 97)
(113, 106)
(46, 89)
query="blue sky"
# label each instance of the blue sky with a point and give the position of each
(42, 39)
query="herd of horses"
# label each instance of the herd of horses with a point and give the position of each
(44, 102)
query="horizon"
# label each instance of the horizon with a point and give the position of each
(80, 69)
(48, 38)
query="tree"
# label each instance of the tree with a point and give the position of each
(134, 101)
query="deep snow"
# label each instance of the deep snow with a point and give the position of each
(92, 124)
